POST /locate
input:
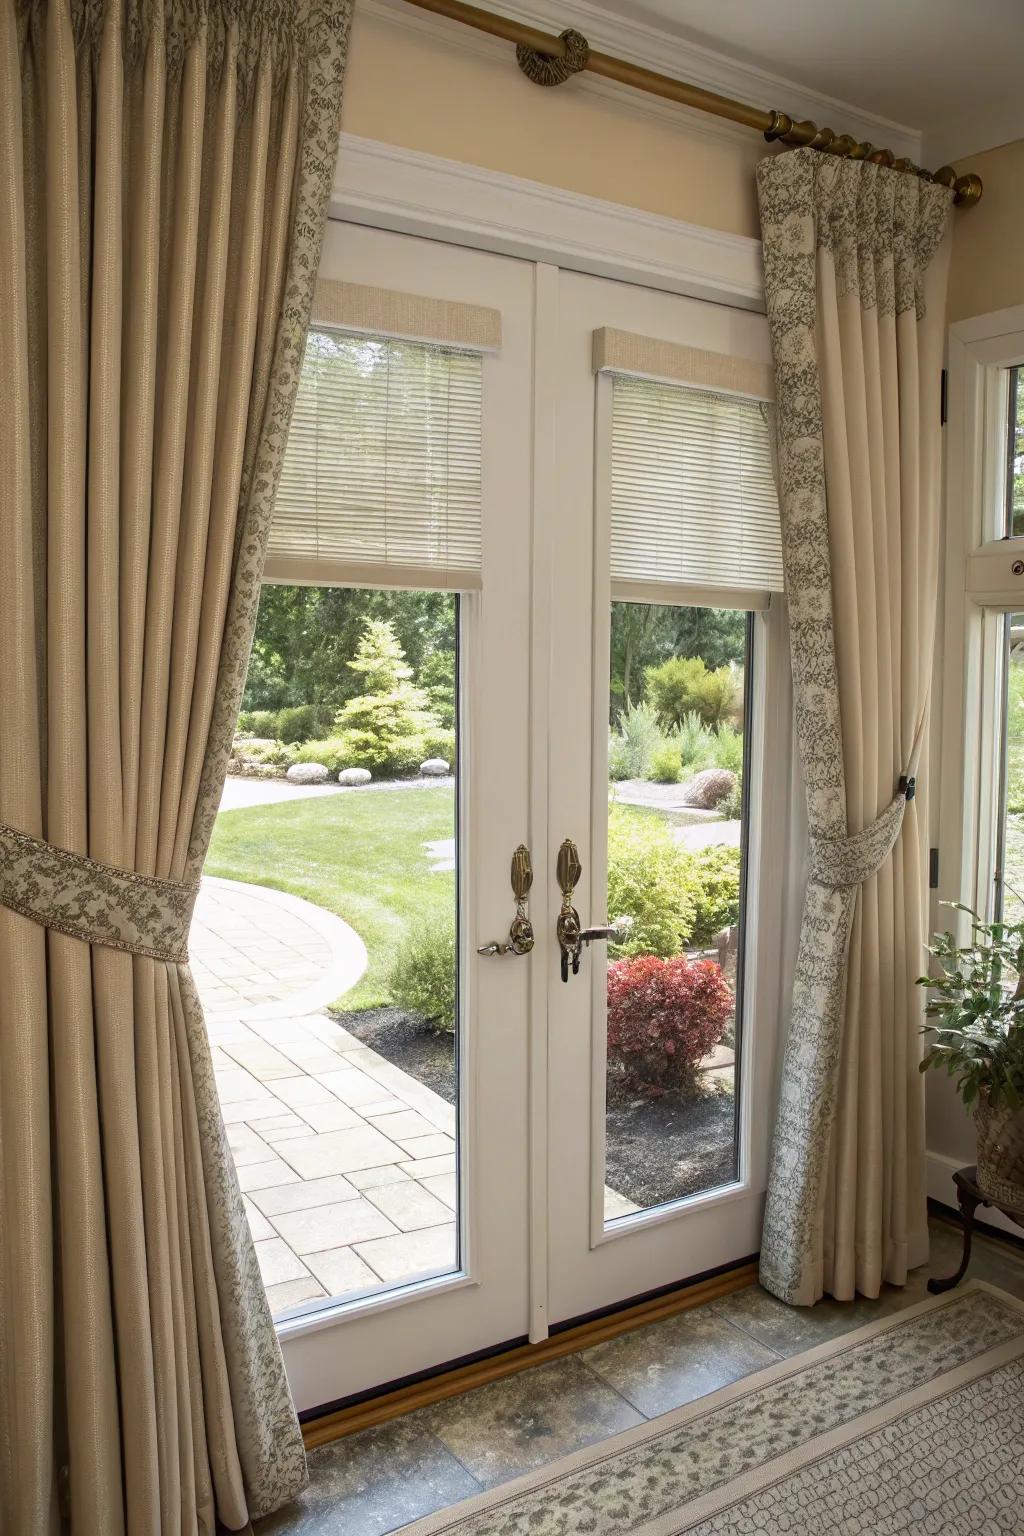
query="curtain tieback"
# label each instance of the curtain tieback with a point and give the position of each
(99, 903)
(837, 862)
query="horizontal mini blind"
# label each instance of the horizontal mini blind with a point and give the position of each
(693, 492)
(381, 482)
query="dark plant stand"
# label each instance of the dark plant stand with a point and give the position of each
(969, 1197)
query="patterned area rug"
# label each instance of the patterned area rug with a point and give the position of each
(914, 1424)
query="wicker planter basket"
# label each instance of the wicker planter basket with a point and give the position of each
(1000, 1154)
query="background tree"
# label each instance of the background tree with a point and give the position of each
(384, 728)
(305, 637)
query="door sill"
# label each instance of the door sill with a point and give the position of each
(454, 1379)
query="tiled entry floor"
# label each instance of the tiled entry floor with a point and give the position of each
(382, 1478)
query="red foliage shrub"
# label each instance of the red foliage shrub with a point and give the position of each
(664, 1016)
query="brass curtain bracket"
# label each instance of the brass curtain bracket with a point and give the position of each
(549, 60)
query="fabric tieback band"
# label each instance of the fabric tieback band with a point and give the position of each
(837, 862)
(99, 903)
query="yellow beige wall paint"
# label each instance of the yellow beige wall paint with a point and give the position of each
(987, 268)
(410, 88)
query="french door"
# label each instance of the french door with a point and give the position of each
(581, 1181)
(649, 1184)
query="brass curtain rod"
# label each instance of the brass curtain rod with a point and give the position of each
(550, 60)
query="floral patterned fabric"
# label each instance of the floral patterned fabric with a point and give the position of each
(839, 233)
(96, 902)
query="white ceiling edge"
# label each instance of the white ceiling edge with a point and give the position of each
(667, 54)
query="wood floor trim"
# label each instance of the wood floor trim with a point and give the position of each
(392, 1405)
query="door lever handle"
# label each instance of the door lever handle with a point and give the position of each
(614, 932)
(520, 939)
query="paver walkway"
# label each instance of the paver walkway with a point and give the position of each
(346, 1163)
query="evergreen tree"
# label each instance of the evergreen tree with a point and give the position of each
(384, 728)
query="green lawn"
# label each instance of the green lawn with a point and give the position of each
(360, 855)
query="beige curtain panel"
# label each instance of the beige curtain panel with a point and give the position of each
(165, 167)
(856, 259)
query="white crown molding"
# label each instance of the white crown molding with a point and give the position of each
(666, 53)
(388, 187)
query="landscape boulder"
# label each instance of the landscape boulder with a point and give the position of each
(707, 789)
(434, 768)
(355, 776)
(307, 773)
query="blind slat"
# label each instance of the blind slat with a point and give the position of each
(693, 490)
(383, 462)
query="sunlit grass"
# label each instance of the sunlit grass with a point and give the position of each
(360, 855)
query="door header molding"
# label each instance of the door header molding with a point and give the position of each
(389, 187)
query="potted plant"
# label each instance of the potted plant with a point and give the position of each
(978, 1039)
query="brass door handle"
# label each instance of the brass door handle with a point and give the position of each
(571, 937)
(567, 929)
(520, 939)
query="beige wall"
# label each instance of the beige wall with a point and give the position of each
(407, 88)
(987, 270)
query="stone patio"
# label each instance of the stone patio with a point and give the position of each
(346, 1163)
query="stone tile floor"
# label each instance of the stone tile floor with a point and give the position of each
(376, 1481)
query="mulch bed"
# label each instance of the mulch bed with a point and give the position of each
(657, 1149)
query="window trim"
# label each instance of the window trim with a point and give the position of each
(979, 588)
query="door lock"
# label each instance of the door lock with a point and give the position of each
(571, 937)
(520, 934)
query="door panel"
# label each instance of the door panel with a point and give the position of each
(348, 1348)
(595, 1262)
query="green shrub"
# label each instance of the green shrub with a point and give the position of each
(727, 748)
(683, 683)
(716, 874)
(618, 758)
(639, 734)
(333, 753)
(439, 742)
(384, 728)
(695, 741)
(301, 722)
(422, 976)
(277, 753)
(437, 679)
(732, 806)
(650, 881)
(666, 764)
(264, 722)
(245, 719)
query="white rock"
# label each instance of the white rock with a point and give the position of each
(355, 776)
(434, 767)
(307, 773)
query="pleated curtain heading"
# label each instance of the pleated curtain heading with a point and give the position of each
(166, 170)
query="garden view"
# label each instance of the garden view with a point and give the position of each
(359, 686)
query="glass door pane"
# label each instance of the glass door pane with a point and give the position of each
(676, 863)
(325, 943)
(1008, 883)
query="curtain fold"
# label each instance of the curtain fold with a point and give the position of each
(856, 258)
(165, 168)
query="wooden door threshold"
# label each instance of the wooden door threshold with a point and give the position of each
(523, 1357)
